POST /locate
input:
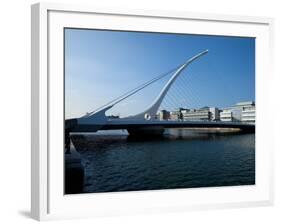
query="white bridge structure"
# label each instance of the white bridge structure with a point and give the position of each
(146, 122)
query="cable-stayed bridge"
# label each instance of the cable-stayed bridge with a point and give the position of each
(147, 121)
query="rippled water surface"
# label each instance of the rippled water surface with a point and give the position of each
(180, 159)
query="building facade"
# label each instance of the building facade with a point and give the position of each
(175, 115)
(240, 112)
(196, 114)
(226, 115)
(248, 114)
(215, 114)
(164, 115)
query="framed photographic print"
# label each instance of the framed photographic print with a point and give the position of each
(148, 111)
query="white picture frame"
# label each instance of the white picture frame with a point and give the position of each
(48, 200)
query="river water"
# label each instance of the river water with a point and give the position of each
(182, 158)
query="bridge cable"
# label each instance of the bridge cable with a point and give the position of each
(135, 90)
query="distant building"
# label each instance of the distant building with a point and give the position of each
(164, 115)
(215, 113)
(175, 115)
(241, 112)
(248, 114)
(204, 113)
(245, 104)
(231, 114)
(196, 114)
(226, 115)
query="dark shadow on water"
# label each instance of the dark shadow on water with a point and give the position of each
(141, 138)
(96, 142)
(92, 141)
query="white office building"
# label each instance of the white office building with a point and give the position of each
(196, 114)
(215, 113)
(249, 113)
(241, 112)
(231, 114)
(175, 115)
(226, 115)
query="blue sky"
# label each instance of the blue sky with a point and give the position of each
(102, 65)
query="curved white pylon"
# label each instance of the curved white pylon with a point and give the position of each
(99, 117)
(150, 113)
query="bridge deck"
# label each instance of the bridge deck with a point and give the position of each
(115, 124)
